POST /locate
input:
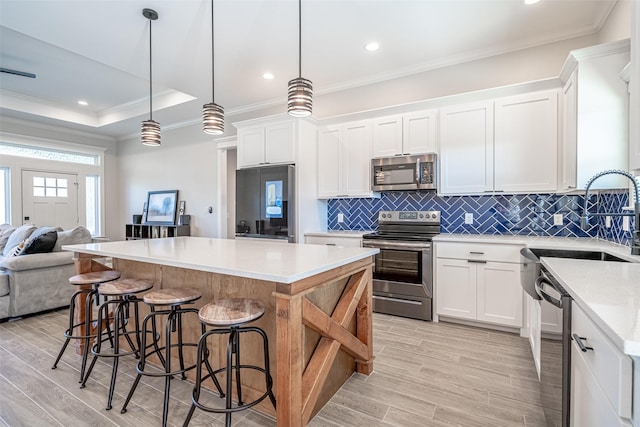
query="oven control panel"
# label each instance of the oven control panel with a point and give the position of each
(408, 216)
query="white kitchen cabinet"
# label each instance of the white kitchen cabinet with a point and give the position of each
(479, 282)
(595, 116)
(634, 90)
(526, 142)
(601, 377)
(466, 148)
(266, 145)
(405, 134)
(334, 240)
(344, 161)
(535, 336)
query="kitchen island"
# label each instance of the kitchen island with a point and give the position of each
(318, 306)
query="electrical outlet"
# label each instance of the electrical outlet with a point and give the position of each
(557, 219)
(607, 221)
(468, 218)
(340, 218)
(625, 223)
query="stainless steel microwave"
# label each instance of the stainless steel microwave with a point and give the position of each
(417, 172)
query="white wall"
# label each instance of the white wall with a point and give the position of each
(618, 24)
(186, 161)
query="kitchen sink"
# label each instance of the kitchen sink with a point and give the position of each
(576, 254)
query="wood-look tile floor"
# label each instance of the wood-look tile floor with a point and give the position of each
(426, 374)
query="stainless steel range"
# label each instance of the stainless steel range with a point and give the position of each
(403, 270)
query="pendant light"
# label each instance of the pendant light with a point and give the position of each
(300, 94)
(150, 129)
(212, 113)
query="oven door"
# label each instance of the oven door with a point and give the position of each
(402, 268)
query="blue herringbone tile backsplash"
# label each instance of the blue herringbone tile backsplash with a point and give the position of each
(521, 214)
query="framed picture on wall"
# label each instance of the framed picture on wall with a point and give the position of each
(161, 207)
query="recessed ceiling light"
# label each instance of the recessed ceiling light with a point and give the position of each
(531, 1)
(268, 76)
(372, 46)
(83, 103)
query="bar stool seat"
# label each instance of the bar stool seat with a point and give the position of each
(121, 294)
(174, 299)
(95, 279)
(227, 315)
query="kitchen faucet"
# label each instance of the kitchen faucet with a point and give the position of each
(635, 234)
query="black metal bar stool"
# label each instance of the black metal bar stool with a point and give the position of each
(95, 279)
(121, 294)
(230, 314)
(173, 299)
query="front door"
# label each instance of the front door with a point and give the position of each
(50, 199)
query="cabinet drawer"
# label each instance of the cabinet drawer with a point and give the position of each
(479, 251)
(333, 241)
(610, 367)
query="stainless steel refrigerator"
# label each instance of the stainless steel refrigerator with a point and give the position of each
(265, 204)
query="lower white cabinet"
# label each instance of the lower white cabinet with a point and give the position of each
(479, 282)
(601, 376)
(535, 336)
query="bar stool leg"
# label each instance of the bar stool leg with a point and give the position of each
(118, 315)
(87, 331)
(236, 348)
(232, 336)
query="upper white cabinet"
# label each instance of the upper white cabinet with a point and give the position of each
(507, 145)
(266, 145)
(466, 148)
(405, 134)
(344, 160)
(526, 143)
(595, 116)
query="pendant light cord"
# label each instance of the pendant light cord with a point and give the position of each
(299, 38)
(150, 75)
(213, 64)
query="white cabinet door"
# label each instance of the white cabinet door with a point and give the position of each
(569, 165)
(499, 293)
(526, 142)
(589, 405)
(329, 161)
(456, 288)
(279, 143)
(387, 136)
(551, 319)
(250, 147)
(419, 132)
(356, 165)
(466, 148)
(535, 334)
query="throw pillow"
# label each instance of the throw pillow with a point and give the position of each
(18, 250)
(42, 243)
(72, 237)
(4, 237)
(20, 234)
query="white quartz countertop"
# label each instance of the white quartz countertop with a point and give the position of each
(609, 292)
(544, 242)
(263, 260)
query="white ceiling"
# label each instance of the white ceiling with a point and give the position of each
(98, 50)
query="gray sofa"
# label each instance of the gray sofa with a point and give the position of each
(30, 283)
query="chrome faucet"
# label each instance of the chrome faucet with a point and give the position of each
(635, 234)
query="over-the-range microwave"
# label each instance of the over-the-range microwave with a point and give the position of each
(417, 172)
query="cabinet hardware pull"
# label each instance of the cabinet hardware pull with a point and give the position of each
(477, 261)
(476, 253)
(330, 244)
(578, 340)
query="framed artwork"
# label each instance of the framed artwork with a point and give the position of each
(161, 207)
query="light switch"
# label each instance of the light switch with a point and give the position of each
(340, 218)
(625, 223)
(468, 218)
(557, 219)
(607, 221)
